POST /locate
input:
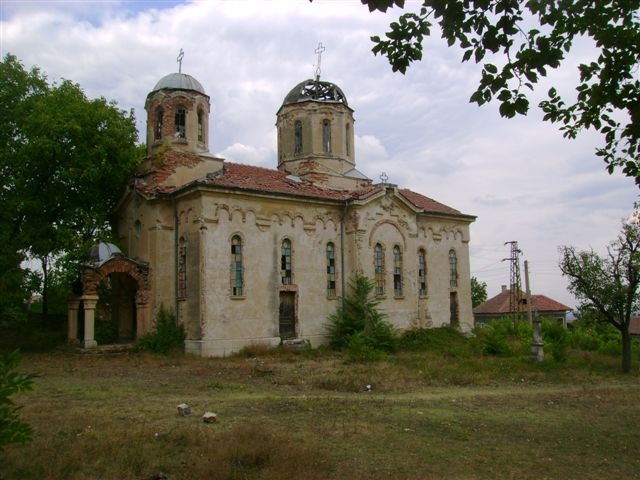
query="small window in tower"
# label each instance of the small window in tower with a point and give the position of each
(326, 136)
(346, 139)
(200, 126)
(158, 124)
(298, 136)
(180, 123)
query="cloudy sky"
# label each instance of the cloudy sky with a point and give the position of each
(521, 179)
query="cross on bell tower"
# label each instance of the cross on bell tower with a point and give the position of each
(321, 48)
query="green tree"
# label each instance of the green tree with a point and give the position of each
(64, 161)
(529, 38)
(358, 322)
(608, 284)
(478, 292)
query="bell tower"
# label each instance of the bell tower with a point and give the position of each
(178, 114)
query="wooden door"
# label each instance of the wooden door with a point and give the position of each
(287, 315)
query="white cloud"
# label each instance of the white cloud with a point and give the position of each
(519, 176)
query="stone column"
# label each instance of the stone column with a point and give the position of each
(89, 302)
(72, 319)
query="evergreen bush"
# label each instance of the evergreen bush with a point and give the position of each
(358, 325)
(167, 336)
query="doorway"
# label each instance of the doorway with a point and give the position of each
(454, 319)
(287, 317)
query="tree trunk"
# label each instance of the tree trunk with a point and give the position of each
(45, 291)
(626, 350)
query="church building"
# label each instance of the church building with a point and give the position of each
(244, 254)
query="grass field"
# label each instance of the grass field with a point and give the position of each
(312, 415)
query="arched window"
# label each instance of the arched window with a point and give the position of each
(331, 270)
(237, 280)
(453, 269)
(200, 126)
(180, 120)
(286, 272)
(397, 271)
(422, 273)
(326, 136)
(347, 136)
(182, 268)
(378, 265)
(158, 124)
(297, 129)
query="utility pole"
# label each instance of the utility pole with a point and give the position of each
(537, 345)
(515, 292)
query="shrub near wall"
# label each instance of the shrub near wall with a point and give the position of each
(167, 336)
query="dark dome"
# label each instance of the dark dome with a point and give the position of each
(179, 81)
(317, 91)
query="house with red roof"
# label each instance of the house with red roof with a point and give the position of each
(503, 305)
(244, 254)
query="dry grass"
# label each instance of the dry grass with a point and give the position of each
(311, 415)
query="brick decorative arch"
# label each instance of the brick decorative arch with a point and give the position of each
(92, 275)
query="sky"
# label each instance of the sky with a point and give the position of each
(520, 177)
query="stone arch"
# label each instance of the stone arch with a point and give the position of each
(132, 279)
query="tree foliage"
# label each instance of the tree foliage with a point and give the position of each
(608, 285)
(478, 292)
(358, 324)
(64, 160)
(530, 38)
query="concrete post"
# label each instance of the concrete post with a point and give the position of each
(537, 345)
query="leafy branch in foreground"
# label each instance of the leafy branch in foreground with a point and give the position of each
(12, 430)
(530, 38)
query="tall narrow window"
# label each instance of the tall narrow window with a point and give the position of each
(378, 263)
(180, 123)
(347, 136)
(397, 271)
(453, 269)
(331, 270)
(237, 281)
(285, 263)
(297, 129)
(182, 268)
(326, 136)
(422, 273)
(158, 124)
(200, 126)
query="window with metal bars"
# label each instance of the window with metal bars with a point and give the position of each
(397, 271)
(378, 265)
(331, 270)
(180, 123)
(422, 273)
(182, 268)
(453, 269)
(237, 280)
(286, 272)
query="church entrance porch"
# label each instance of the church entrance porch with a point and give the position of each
(114, 297)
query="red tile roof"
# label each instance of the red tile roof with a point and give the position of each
(500, 304)
(265, 180)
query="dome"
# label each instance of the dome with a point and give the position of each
(101, 252)
(179, 81)
(317, 91)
